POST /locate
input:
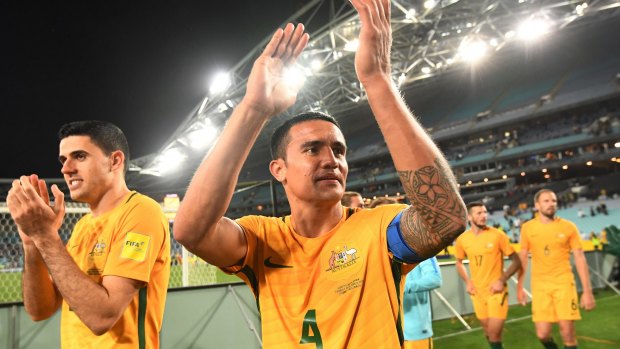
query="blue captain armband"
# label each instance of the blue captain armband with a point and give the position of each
(397, 245)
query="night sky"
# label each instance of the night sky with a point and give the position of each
(141, 65)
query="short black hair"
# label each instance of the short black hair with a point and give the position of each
(279, 138)
(474, 204)
(107, 136)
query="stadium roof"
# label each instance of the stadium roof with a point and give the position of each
(431, 39)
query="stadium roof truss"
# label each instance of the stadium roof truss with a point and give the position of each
(428, 40)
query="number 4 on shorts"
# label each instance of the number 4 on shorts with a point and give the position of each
(310, 331)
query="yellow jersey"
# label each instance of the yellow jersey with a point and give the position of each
(485, 252)
(133, 241)
(340, 290)
(550, 245)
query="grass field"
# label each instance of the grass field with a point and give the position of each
(598, 329)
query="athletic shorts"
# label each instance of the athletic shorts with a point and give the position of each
(491, 305)
(553, 302)
(426, 343)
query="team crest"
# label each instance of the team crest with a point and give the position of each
(98, 249)
(342, 261)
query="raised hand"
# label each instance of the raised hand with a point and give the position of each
(29, 205)
(267, 91)
(372, 60)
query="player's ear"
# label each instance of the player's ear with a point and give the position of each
(277, 168)
(117, 160)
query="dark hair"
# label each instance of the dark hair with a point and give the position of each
(279, 138)
(382, 200)
(107, 136)
(474, 204)
(541, 191)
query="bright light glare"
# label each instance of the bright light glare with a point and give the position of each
(617, 145)
(426, 70)
(589, 163)
(533, 29)
(401, 79)
(472, 50)
(410, 14)
(429, 4)
(170, 160)
(352, 45)
(316, 65)
(294, 77)
(221, 81)
(199, 139)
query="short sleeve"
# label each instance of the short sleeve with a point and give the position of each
(574, 237)
(141, 236)
(524, 239)
(505, 245)
(251, 227)
(459, 251)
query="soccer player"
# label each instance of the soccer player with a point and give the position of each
(418, 324)
(485, 247)
(112, 276)
(550, 240)
(352, 199)
(326, 276)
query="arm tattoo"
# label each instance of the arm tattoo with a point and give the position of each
(437, 213)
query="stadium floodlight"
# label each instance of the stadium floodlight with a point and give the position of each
(493, 42)
(617, 145)
(589, 163)
(200, 138)
(429, 4)
(351, 46)
(410, 15)
(485, 179)
(170, 160)
(401, 79)
(425, 70)
(547, 176)
(221, 81)
(533, 28)
(294, 77)
(472, 50)
(504, 177)
(565, 167)
(522, 174)
(316, 65)
(510, 34)
(544, 170)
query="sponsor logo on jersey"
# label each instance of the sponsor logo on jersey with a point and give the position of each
(269, 264)
(136, 246)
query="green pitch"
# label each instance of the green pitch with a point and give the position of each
(598, 329)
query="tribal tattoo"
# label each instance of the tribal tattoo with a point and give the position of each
(437, 213)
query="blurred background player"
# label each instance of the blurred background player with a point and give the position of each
(485, 247)
(418, 319)
(550, 240)
(352, 199)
